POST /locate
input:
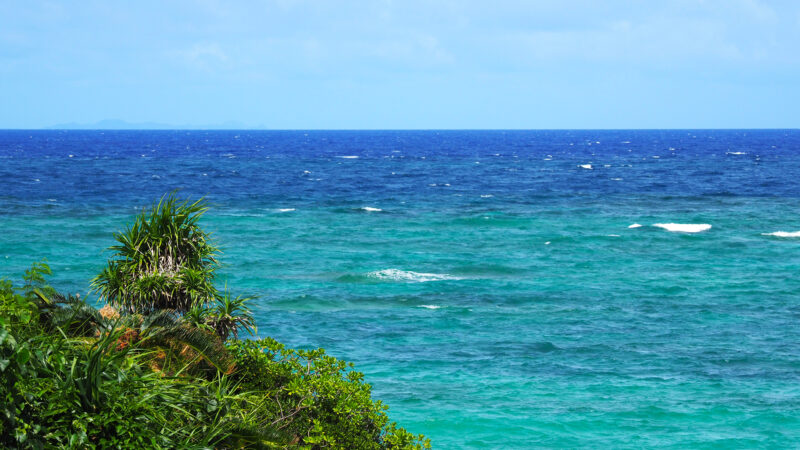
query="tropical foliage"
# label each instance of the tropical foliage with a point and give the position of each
(167, 370)
(164, 260)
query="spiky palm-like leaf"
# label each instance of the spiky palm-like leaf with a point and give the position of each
(164, 260)
(231, 314)
(163, 329)
(70, 314)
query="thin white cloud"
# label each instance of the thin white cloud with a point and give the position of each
(203, 55)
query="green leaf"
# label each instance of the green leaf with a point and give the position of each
(6, 337)
(23, 356)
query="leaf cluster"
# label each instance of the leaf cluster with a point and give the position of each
(164, 260)
(62, 387)
(319, 400)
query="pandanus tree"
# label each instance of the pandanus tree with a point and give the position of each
(163, 261)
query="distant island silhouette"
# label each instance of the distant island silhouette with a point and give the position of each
(118, 124)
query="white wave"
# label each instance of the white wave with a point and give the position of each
(684, 227)
(412, 277)
(371, 209)
(783, 234)
(487, 196)
(430, 306)
(348, 157)
(612, 235)
(586, 166)
(635, 225)
(736, 153)
(285, 209)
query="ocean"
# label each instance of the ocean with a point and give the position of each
(499, 289)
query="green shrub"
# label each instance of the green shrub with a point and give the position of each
(164, 260)
(316, 398)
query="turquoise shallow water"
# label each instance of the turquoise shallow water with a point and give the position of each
(499, 298)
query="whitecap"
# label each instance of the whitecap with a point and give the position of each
(684, 227)
(285, 209)
(736, 153)
(487, 196)
(635, 225)
(612, 235)
(586, 166)
(371, 209)
(547, 243)
(430, 306)
(348, 157)
(783, 234)
(409, 276)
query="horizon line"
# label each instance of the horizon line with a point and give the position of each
(408, 129)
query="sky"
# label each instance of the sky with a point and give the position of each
(408, 64)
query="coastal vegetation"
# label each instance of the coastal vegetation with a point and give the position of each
(162, 364)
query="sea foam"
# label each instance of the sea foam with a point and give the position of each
(783, 234)
(684, 227)
(371, 209)
(408, 276)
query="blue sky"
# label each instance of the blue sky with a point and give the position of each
(290, 64)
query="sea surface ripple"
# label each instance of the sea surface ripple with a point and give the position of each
(491, 285)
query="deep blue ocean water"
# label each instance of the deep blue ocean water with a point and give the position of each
(488, 283)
